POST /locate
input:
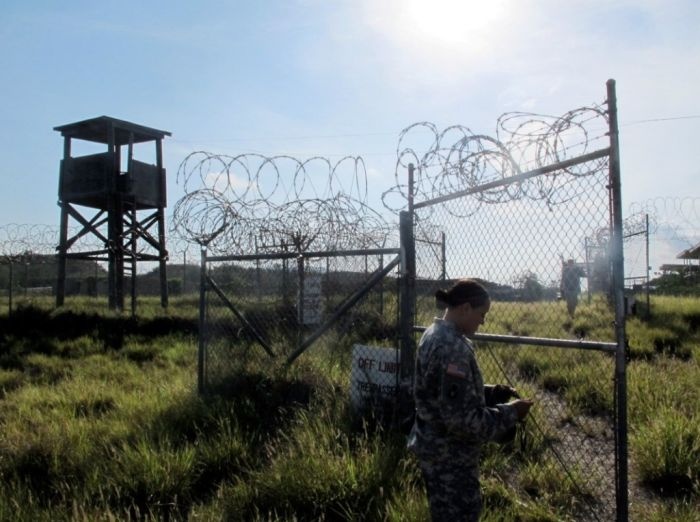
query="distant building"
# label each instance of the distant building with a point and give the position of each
(691, 264)
(691, 254)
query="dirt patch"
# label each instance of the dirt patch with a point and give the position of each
(585, 447)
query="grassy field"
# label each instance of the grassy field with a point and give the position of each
(100, 420)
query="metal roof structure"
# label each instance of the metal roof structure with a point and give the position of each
(98, 130)
(690, 253)
(669, 267)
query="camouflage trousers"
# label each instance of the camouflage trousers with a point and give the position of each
(453, 490)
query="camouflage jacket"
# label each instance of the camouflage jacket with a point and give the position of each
(571, 280)
(452, 419)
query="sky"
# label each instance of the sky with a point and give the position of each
(336, 78)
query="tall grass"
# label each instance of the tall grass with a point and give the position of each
(101, 427)
(319, 468)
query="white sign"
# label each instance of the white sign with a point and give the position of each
(312, 299)
(374, 375)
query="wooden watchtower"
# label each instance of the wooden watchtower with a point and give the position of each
(128, 202)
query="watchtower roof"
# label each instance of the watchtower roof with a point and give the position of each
(97, 130)
(690, 253)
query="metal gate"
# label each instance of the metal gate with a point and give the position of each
(515, 228)
(264, 311)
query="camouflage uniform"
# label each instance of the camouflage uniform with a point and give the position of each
(452, 422)
(570, 285)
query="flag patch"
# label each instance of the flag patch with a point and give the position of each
(453, 370)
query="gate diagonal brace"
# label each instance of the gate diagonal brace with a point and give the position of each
(352, 301)
(240, 317)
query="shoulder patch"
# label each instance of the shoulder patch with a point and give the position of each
(454, 370)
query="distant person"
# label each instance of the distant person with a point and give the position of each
(570, 286)
(452, 417)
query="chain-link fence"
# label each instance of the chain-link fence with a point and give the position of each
(26, 263)
(637, 263)
(29, 268)
(533, 213)
(554, 328)
(336, 311)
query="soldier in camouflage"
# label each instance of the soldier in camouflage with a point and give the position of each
(570, 285)
(452, 417)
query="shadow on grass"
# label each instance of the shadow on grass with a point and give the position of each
(32, 330)
(64, 325)
(261, 401)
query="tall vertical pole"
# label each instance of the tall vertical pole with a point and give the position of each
(407, 291)
(113, 225)
(62, 259)
(443, 251)
(63, 233)
(201, 358)
(118, 220)
(162, 251)
(381, 286)
(646, 235)
(26, 277)
(411, 173)
(285, 268)
(258, 275)
(9, 295)
(133, 233)
(300, 299)
(328, 283)
(133, 228)
(586, 248)
(618, 289)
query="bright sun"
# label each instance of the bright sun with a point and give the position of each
(450, 22)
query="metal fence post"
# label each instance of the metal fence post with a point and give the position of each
(184, 272)
(9, 314)
(202, 318)
(407, 291)
(381, 287)
(300, 299)
(443, 254)
(618, 282)
(407, 306)
(648, 267)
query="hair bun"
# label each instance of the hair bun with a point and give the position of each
(442, 299)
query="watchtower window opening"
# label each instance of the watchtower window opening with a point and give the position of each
(85, 148)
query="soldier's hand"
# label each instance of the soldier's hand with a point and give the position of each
(502, 394)
(522, 407)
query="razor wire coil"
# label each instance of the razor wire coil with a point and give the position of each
(244, 203)
(457, 159)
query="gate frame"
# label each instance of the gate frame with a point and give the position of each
(206, 283)
(407, 293)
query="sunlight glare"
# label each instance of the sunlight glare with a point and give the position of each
(451, 22)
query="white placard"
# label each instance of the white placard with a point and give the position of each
(312, 299)
(374, 374)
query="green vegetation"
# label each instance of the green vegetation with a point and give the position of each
(100, 420)
(684, 282)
